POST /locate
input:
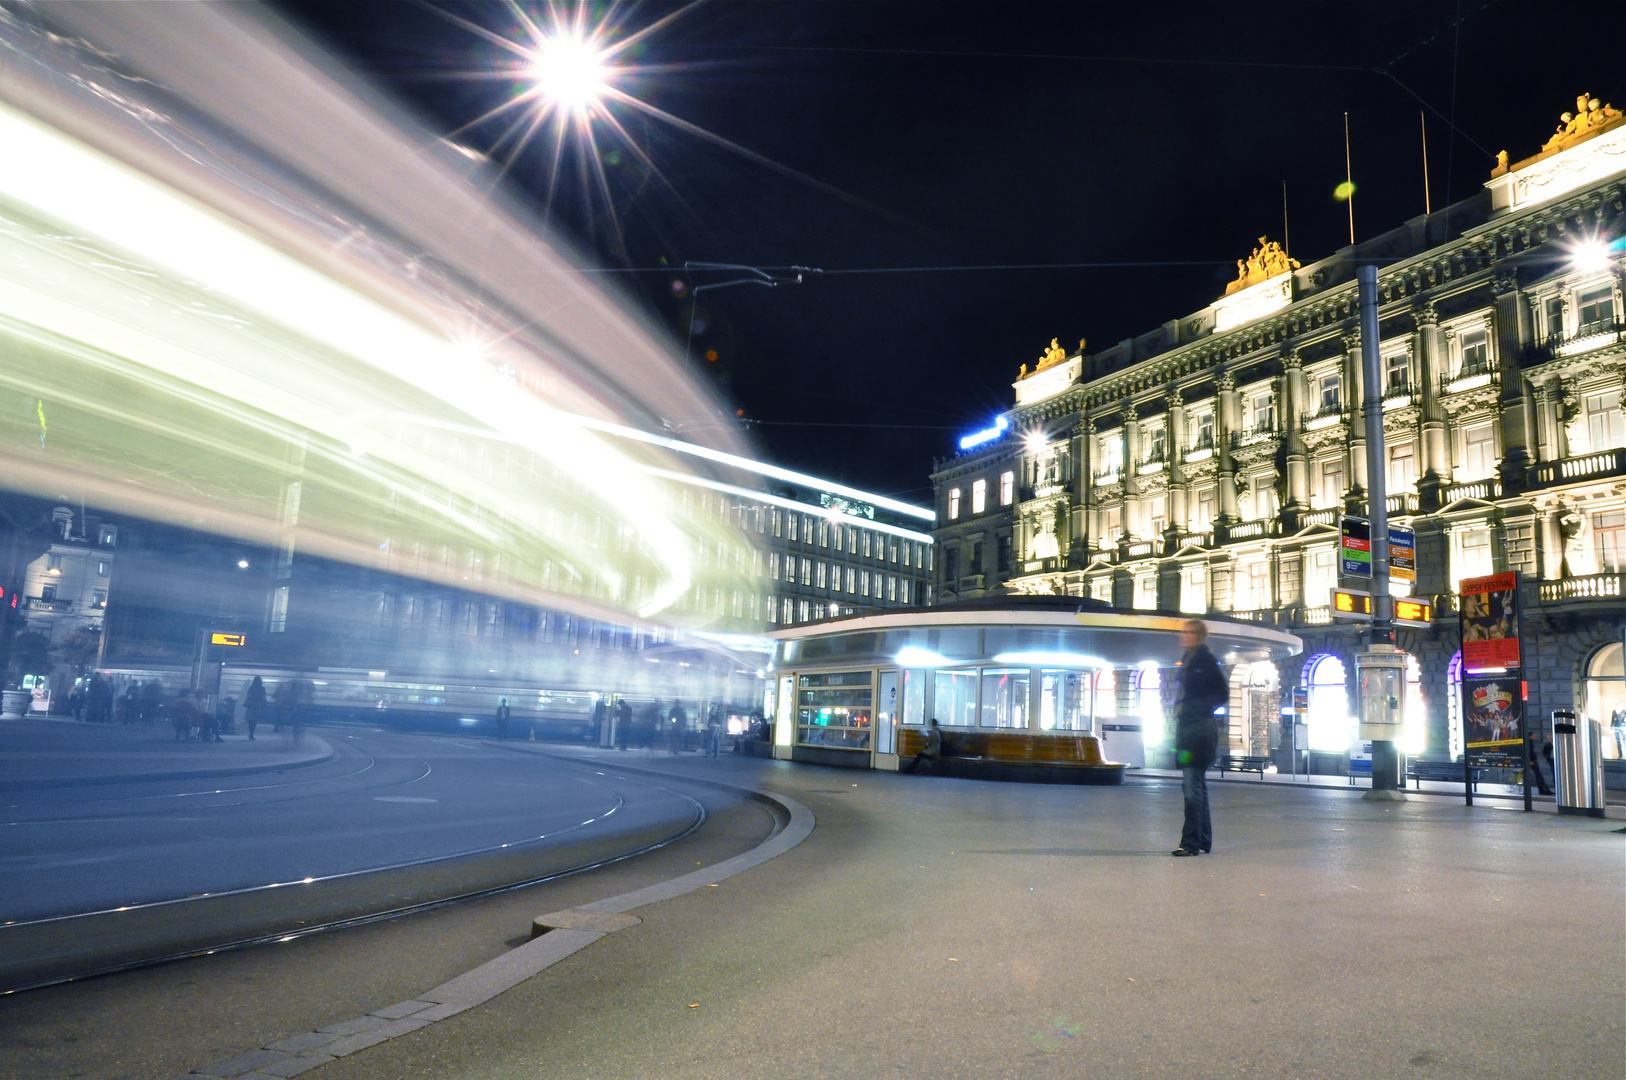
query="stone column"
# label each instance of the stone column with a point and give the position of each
(1508, 337)
(1133, 523)
(1225, 422)
(1546, 412)
(1179, 510)
(1292, 424)
(1354, 425)
(1435, 453)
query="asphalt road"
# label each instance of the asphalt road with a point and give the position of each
(107, 874)
(956, 929)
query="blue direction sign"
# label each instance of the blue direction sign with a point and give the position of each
(1402, 554)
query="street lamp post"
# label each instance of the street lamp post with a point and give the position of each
(1381, 668)
(753, 276)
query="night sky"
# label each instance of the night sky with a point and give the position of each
(913, 141)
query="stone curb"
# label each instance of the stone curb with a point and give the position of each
(555, 936)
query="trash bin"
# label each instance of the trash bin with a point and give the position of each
(1578, 763)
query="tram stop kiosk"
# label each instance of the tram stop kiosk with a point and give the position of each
(1380, 674)
(1578, 763)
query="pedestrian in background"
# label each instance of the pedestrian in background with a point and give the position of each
(129, 705)
(502, 719)
(76, 700)
(152, 698)
(1535, 767)
(254, 704)
(1199, 708)
(674, 728)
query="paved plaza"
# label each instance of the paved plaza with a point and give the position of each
(943, 928)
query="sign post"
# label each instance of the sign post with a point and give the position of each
(1377, 715)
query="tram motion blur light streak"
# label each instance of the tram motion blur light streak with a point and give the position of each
(82, 193)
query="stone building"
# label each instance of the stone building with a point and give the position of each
(1202, 467)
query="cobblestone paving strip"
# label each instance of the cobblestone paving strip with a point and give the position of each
(561, 934)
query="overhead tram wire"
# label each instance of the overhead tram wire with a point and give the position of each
(967, 268)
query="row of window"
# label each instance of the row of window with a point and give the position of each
(1471, 556)
(853, 580)
(979, 495)
(855, 539)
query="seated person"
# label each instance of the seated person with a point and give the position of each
(933, 748)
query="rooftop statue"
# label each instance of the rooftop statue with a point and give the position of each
(1267, 261)
(1591, 117)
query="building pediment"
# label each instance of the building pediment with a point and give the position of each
(1589, 145)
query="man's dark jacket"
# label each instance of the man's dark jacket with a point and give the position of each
(1202, 690)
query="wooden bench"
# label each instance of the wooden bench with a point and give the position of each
(1244, 763)
(1448, 772)
(1015, 755)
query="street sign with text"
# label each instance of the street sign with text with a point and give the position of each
(1355, 547)
(1402, 554)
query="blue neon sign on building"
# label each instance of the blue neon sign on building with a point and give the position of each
(977, 438)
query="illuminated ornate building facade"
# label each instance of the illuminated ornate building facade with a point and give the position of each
(1202, 467)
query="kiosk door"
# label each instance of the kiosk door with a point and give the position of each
(886, 715)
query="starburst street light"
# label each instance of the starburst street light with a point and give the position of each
(571, 72)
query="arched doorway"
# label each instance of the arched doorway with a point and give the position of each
(1330, 726)
(1606, 696)
(1256, 708)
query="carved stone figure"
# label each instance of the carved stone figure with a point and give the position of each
(1589, 117)
(1267, 261)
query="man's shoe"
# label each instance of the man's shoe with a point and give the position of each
(1180, 852)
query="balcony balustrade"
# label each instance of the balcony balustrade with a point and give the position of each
(1143, 549)
(1589, 587)
(1200, 450)
(1472, 489)
(1260, 433)
(1327, 516)
(1603, 464)
(1252, 530)
(1469, 377)
(1404, 503)
(52, 606)
(1587, 337)
(1326, 416)
(1316, 616)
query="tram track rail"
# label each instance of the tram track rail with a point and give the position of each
(66, 948)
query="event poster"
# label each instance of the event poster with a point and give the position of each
(1490, 623)
(1492, 712)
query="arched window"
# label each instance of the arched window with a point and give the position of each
(1606, 696)
(1149, 681)
(1330, 725)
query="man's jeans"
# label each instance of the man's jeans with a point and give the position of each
(1198, 832)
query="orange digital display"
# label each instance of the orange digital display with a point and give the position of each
(1413, 611)
(218, 638)
(1351, 604)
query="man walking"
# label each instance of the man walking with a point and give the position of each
(1203, 694)
(503, 712)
